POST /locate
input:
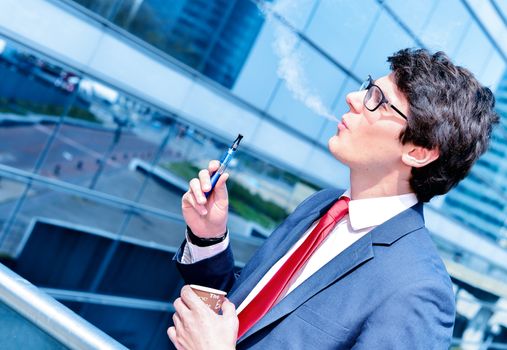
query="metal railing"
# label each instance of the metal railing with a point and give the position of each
(50, 316)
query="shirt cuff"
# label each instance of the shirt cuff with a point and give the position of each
(193, 253)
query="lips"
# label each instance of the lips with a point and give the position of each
(342, 125)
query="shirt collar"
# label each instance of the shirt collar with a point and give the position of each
(370, 212)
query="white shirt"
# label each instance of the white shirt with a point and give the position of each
(364, 215)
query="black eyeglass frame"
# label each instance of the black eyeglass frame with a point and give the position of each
(367, 85)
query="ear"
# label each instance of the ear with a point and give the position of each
(418, 156)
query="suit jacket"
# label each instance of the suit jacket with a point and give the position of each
(388, 290)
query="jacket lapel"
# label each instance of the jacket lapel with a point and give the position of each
(401, 225)
(357, 254)
(353, 257)
(277, 246)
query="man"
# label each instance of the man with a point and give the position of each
(354, 269)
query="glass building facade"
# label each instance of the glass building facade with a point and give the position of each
(480, 201)
(213, 37)
(108, 108)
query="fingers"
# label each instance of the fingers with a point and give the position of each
(204, 177)
(195, 197)
(176, 320)
(192, 300)
(171, 332)
(228, 308)
(188, 200)
(221, 180)
(196, 189)
(180, 307)
(213, 166)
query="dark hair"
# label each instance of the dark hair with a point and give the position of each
(448, 109)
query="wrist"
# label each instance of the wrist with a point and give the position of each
(204, 242)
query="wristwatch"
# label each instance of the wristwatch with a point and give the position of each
(204, 242)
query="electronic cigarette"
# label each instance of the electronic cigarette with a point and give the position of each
(226, 159)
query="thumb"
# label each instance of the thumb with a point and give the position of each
(228, 308)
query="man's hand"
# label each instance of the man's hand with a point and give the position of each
(206, 217)
(196, 327)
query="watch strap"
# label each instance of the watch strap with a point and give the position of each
(204, 242)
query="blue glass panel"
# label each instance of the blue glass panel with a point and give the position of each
(386, 38)
(493, 72)
(296, 13)
(34, 93)
(103, 8)
(258, 77)
(415, 15)
(474, 50)
(10, 191)
(341, 27)
(70, 258)
(502, 6)
(65, 209)
(133, 263)
(213, 37)
(446, 26)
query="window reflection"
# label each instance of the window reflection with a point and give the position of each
(34, 94)
(474, 50)
(341, 30)
(9, 191)
(445, 26)
(103, 8)
(372, 59)
(213, 37)
(258, 77)
(414, 16)
(88, 133)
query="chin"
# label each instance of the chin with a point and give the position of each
(333, 145)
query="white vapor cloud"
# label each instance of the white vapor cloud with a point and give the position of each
(290, 68)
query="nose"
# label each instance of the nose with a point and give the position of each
(355, 101)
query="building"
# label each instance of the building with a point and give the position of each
(480, 200)
(108, 107)
(213, 37)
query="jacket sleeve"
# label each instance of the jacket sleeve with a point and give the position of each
(218, 271)
(419, 316)
(214, 272)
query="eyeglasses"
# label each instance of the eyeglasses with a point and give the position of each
(374, 97)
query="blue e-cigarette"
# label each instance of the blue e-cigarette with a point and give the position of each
(226, 158)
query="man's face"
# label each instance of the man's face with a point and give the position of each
(370, 140)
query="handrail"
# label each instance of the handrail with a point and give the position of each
(51, 316)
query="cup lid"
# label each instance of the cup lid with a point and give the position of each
(207, 289)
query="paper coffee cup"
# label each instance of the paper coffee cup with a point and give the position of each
(211, 297)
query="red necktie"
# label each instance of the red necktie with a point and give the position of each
(268, 295)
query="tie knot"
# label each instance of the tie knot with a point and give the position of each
(339, 209)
